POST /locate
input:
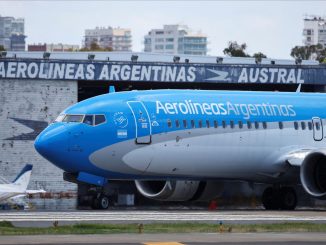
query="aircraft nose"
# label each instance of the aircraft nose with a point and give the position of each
(52, 145)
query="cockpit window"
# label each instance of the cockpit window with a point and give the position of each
(99, 119)
(60, 118)
(73, 118)
(88, 119)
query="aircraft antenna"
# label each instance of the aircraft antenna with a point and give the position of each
(298, 89)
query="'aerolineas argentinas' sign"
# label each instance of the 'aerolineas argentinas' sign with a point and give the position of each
(159, 72)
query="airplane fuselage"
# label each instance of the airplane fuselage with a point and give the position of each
(187, 134)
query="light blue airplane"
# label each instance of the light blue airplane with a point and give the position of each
(179, 144)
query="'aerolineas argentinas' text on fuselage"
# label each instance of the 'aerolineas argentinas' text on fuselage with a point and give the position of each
(228, 108)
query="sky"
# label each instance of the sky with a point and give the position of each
(271, 27)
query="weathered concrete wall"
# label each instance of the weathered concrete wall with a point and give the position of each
(25, 108)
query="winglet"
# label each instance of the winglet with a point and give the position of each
(111, 89)
(298, 89)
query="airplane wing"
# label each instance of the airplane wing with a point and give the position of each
(296, 158)
(35, 191)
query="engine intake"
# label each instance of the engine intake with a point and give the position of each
(179, 190)
(313, 174)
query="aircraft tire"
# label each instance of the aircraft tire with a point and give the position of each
(270, 199)
(288, 198)
(103, 202)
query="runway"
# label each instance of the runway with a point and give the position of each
(32, 218)
(172, 239)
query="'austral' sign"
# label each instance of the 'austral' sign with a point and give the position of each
(160, 72)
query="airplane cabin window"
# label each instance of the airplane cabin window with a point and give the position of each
(249, 124)
(215, 124)
(185, 123)
(231, 124)
(317, 125)
(309, 125)
(169, 123)
(303, 125)
(256, 125)
(223, 124)
(280, 125)
(240, 124)
(88, 119)
(73, 118)
(200, 124)
(60, 118)
(192, 123)
(264, 125)
(296, 125)
(177, 124)
(99, 119)
(207, 124)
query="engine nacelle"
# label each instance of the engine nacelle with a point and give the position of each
(179, 190)
(313, 174)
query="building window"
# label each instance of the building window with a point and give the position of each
(169, 39)
(169, 46)
(159, 47)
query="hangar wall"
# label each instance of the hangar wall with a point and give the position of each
(26, 107)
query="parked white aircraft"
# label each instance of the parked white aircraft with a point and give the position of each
(19, 186)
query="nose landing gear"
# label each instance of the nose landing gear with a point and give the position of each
(101, 202)
(279, 198)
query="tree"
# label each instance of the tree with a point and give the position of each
(95, 47)
(2, 48)
(236, 50)
(315, 52)
(259, 55)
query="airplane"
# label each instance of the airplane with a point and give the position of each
(18, 188)
(178, 145)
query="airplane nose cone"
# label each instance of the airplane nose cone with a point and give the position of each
(52, 144)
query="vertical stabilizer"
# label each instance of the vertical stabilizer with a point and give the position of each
(23, 177)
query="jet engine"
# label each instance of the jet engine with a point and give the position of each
(313, 174)
(179, 190)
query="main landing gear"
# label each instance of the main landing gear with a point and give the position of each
(279, 198)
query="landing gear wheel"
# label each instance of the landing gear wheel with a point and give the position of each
(288, 198)
(269, 199)
(101, 202)
(283, 198)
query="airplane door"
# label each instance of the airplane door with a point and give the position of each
(317, 128)
(142, 122)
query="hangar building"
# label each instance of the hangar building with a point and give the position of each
(35, 87)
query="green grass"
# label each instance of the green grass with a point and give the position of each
(6, 228)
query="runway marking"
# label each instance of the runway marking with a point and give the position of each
(163, 243)
(173, 216)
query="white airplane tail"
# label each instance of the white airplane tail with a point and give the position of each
(23, 177)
